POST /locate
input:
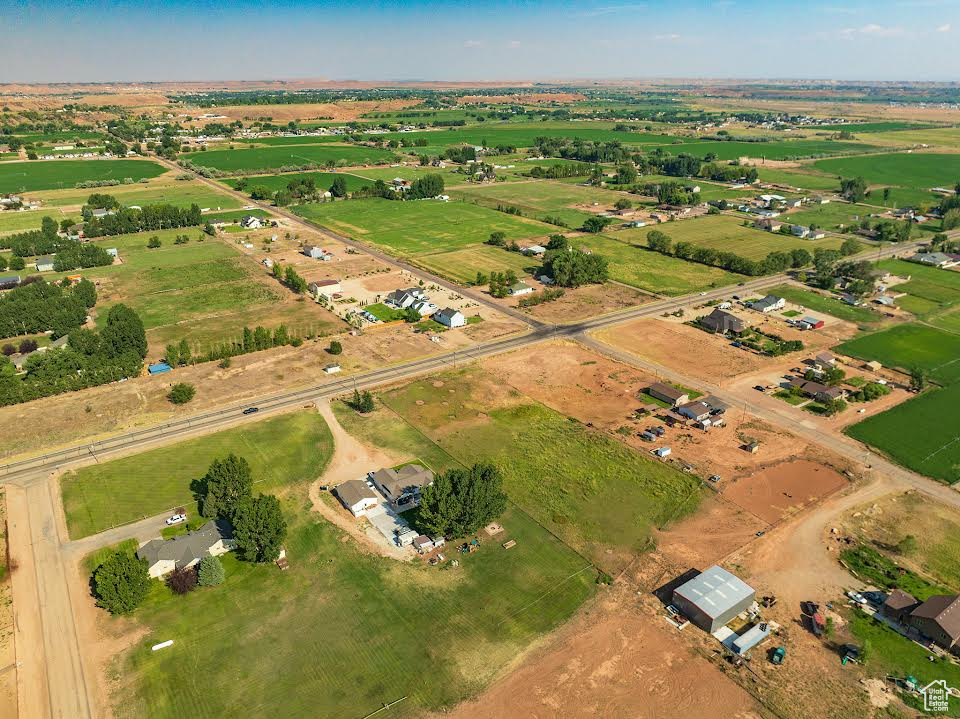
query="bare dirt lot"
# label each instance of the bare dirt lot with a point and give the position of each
(613, 661)
(339, 111)
(783, 489)
(588, 301)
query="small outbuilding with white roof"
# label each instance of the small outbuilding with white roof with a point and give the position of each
(713, 598)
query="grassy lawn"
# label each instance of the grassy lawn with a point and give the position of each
(384, 313)
(323, 180)
(595, 493)
(15, 221)
(267, 158)
(890, 654)
(343, 631)
(827, 305)
(284, 450)
(634, 265)
(53, 174)
(774, 150)
(911, 345)
(413, 228)
(806, 180)
(916, 170)
(830, 217)
(463, 265)
(918, 434)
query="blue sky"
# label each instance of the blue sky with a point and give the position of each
(115, 40)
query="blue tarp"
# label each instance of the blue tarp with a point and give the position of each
(159, 367)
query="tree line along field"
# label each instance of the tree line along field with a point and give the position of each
(64, 204)
(268, 158)
(54, 174)
(914, 170)
(632, 264)
(322, 180)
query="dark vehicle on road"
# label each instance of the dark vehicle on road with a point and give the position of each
(251, 410)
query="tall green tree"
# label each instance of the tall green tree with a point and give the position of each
(460, 501)
(121, 583)
(228, 483)
(259, 528)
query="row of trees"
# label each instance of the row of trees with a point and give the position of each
(90, 358)
(255, 340)
(149, 217)
(461, 501)
(44, 241)
(41, 306)
(75, 255)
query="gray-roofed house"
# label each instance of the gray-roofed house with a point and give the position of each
(357, 496)
(402, 486)
(770, 303)
(450, 317)
(8, 282)
(45, 263)
(666, 393)
(719, 321)
(713, 598)
(401, 299)
(163, 556)
(898, 606)
(697, 410)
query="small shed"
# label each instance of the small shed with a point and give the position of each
(751, 638)
(662, 452)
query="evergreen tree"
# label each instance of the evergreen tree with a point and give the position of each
(227, 484)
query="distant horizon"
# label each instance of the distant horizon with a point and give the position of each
(133, 41)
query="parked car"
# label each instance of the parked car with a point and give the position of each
(176, 519)
(251, 410)
(714, 477)
(759, 388)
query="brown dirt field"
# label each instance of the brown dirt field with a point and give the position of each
(340, 111)
(783, 489)
(588, 301)
(612, 661)
(717, 529)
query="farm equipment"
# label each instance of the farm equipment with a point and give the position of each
(768, 601)
(778, 655)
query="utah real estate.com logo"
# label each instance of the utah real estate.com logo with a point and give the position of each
(936, 696)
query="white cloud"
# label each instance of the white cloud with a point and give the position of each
(944, 28)
(612, 9)
(513, 44)
(873, 30)
(473, 44)
(669, 37)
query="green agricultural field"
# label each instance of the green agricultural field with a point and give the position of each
(519, 135)
(943, 137)
(286, 450)
(832, 216)
(634, 265)
(296, 140)
(323, 180)
(911, 345)
(413, 228)
(774, 150)
(929, 289)
(463, 265)
(915, 170)
(728, 234)
(806, 180)
(267, 158)
(827, 305)
(598, 495)
(458, 627)
(29, 220)
(53, 174)
(542, 198)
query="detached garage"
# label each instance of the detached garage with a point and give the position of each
(713, 598)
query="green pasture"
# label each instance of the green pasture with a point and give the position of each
(911, 345)
(910, 170)
(53, 174)
(268, 158)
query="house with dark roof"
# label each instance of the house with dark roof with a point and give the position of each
(696, 410)
(163, 556)
(450, 317)
(667, 393)
(44, 264)
(816, 390)
(719, 322)
(8, 282)
(402, 486)
(937, 619)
